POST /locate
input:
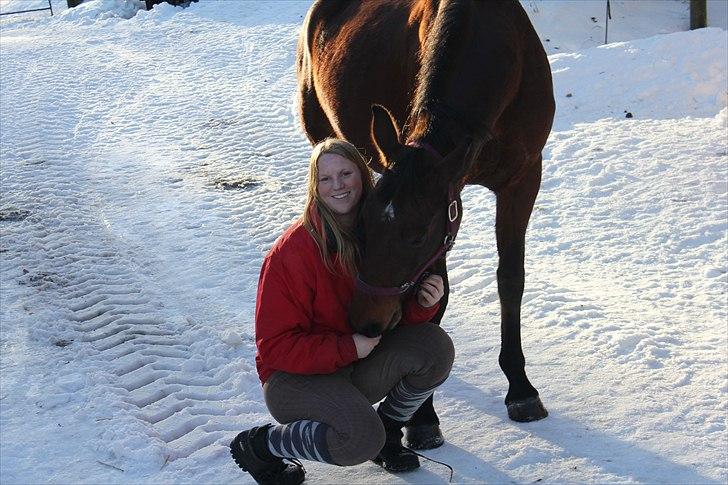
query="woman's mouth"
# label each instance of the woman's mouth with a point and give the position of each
(341, 196)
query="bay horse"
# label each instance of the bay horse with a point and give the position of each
(440, 94)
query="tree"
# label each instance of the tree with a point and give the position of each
(698, 14)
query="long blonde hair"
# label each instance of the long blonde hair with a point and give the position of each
(347, 251)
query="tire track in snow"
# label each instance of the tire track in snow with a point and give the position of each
(117, 322)
(151, 377)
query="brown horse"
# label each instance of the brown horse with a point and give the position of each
(469, 100)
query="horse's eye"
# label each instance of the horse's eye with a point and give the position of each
(417, 241)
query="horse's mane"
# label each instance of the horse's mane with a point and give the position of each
(429, 118)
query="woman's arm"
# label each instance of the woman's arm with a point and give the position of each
(284, 310)
(423, 305)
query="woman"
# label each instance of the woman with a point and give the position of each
(319, 378)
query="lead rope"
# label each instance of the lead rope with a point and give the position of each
(434, 461)
(294, 460)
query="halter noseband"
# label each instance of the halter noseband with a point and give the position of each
(453, 224)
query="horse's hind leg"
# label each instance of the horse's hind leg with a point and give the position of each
(514, 206)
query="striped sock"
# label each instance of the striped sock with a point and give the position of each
(403, 400)
(301, 439)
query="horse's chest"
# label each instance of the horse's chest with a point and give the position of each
(500, 163)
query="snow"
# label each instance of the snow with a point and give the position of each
(149, 159)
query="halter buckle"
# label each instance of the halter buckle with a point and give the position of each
(452, 211)
(449, 242)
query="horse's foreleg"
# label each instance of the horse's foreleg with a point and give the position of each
(423, 429)
(514, 206)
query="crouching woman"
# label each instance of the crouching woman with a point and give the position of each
(319, 378)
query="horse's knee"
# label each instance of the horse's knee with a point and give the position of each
(363, 443)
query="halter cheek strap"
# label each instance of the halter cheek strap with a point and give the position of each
(427, 147)
(453, 225)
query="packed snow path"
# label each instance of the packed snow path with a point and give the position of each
(148, 164)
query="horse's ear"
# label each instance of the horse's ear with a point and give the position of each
(385, 135)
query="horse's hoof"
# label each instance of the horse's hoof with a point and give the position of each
(424, 436)
(530, 409)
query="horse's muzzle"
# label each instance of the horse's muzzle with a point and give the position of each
(373, 329)
(374, 316)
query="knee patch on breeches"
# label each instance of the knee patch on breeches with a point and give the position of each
(362, 442)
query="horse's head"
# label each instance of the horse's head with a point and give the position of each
(404, 223)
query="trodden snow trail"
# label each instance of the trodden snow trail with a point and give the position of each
(136, 210)
(114, 232)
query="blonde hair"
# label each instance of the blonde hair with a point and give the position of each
(347, 251)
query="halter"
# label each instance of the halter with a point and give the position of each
(453, 224)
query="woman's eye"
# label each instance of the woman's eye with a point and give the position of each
(323, 179)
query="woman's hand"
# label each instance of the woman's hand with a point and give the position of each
(431, 291)
(365, 345)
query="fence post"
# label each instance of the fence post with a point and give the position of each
(698, 14)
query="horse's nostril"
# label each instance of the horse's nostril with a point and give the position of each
(396, 317)
(372, 330)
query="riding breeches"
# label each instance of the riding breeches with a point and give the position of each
(407, 359)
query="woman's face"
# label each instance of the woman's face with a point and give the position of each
(339, 183)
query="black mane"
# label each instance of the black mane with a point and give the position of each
(431, 119)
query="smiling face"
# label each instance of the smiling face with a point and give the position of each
(339, 183)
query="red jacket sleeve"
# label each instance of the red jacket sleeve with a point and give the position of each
(283, 317)
(414, 313)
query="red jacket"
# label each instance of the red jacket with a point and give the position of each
(301, 312)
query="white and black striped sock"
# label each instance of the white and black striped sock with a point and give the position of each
(301, 439)
(403, 400)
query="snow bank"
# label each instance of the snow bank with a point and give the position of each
(668, 76)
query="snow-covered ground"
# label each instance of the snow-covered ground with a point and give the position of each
(149, 159)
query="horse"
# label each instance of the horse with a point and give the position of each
(439, 94)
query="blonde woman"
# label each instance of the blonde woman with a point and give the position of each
(319, 378)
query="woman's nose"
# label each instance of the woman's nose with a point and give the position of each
(339, 183)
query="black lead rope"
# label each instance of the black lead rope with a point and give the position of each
(434, 461)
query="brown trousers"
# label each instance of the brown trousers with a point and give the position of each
(420, 354)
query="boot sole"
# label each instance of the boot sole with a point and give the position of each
(394, 469)
(235, 443)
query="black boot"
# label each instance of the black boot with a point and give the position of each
(250, 451)
(422, 432)
(394, 457)
(424, 436)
